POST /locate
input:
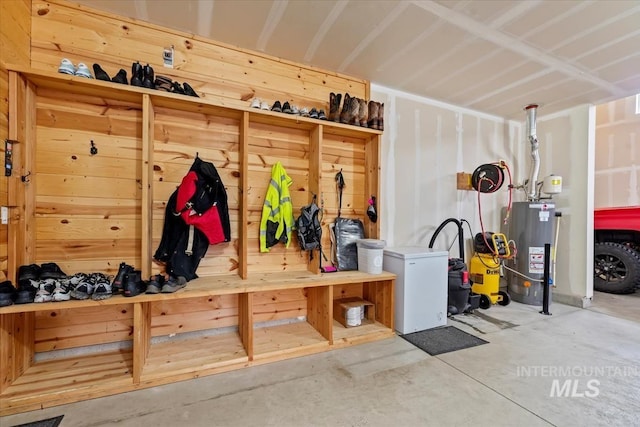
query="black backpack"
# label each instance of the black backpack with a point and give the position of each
(309, 227)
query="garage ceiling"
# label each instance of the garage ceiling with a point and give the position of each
(493, 56)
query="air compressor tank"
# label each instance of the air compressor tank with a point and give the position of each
(531, 227)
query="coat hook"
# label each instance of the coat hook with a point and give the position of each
(25, 178)
(93, 150)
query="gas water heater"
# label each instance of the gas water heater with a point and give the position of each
(531, 226)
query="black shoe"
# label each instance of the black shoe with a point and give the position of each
(286, 108)
(188, 90)
(137, 74)
(176, 88)
(133, 284)
(26, 291)
(174, 284)
(277, 107)
(117, 286)
(322, 115)
(155, 284)
(121, 77)
(100, 73)
(28, 272)
(313, 113)
(148, 79)
(50, 270)
(7, 293)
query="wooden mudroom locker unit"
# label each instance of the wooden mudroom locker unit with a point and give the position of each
(89, 211)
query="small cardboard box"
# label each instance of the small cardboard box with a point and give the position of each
(340, 307)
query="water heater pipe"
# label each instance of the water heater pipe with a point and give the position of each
(535, 155)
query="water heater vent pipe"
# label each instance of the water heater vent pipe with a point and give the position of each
(535, 155)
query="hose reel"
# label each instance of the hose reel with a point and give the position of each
(487, 178)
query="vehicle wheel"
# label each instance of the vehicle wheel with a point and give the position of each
(506, 298)
(616, 268)
(485, 302)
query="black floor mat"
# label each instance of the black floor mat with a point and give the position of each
(443, 340)
(49, 422)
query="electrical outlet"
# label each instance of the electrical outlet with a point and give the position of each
(167, 57)
(4, 214)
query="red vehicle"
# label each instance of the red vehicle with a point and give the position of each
(616, 261)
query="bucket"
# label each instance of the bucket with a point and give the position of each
(370, 253)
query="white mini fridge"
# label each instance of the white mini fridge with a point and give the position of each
(421, 287)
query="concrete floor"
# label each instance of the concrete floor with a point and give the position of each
(507, 382)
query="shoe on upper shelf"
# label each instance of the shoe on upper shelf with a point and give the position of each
(100, 73)
(277, 107)
(83, 71)
(66, 67)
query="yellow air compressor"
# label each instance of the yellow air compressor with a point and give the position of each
(484, 268)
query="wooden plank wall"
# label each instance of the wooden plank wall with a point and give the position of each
(179, 137)
(87, 206)
(225, 73)
(15, 48)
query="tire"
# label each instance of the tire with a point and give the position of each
(616, 268)
(506, 298)
(485, 302)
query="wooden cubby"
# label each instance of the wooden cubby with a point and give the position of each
(90, 212)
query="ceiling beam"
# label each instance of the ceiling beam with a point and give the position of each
(275, 15)
(328, 22)
(511, 43)
(205, 17)
(378, 29)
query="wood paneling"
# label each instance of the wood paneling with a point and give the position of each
(228, 74)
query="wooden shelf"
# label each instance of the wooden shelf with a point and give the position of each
(217, 285)
(290, 340)
(99, 88)
(153, 135)
(180, 359)
(367, 332)
(55, 382)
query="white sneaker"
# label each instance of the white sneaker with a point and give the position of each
(304, 112)
(82, 286)
(264, 106)
(83, 71)
(66, 67)
(61, 291)
(255, 103)
(45, 290)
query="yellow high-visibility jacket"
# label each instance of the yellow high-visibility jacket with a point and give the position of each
(277, 212)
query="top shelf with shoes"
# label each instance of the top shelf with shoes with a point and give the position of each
(83, 86)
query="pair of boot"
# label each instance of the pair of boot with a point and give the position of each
(128, 281)
(142, 76)
(376, 115)
(354, 111)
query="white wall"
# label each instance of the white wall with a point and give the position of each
(426, 142)
(567, 148)
(617, 160)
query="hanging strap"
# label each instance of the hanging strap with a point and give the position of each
(189, 250)
(340, 185)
